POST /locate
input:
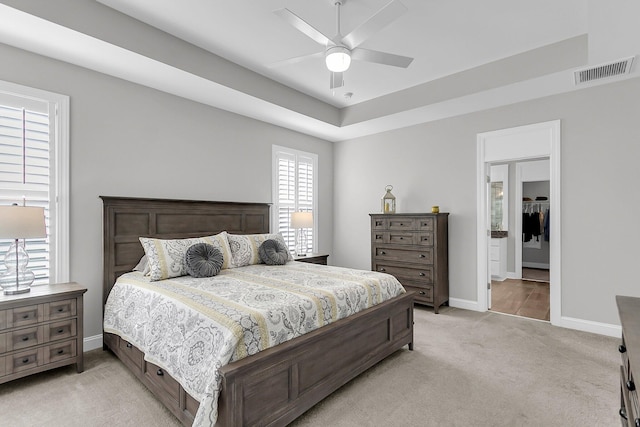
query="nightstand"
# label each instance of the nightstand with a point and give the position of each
(41, 330)
(312, 258)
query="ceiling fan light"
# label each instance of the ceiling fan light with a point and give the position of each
(338, 59)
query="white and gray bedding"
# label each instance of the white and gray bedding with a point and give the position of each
(193, 326)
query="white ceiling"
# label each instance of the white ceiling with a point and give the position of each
(444, 36)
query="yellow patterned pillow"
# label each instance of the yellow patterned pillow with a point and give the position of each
(244, 248)
(166, 257)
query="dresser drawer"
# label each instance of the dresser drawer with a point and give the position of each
(421, 255)
(416, 276)
(60, 351)
(25, 316)
(162, 380)
(24, 338)
(422, 238)
(4, 314)
(24, 360)
(60, 330)
(422, 294)
(60, 309)
(400, 223)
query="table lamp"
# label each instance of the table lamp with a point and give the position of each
(301, 221)
(19, 222)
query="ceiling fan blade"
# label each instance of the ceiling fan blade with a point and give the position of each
(303, 26)
(381, 57)
(381, 19)
(295, 60)
(336, 80)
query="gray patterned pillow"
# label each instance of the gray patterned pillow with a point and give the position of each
(203, 260)
(273, 252)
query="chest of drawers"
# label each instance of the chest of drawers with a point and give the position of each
(41, 330)
(629, 311)
(414, 249)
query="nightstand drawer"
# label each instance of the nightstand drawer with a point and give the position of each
(25, 316)
(162, 380)
(24, 338)
(24, 360)
(421, 256)
(60, 351)
(60, 309)
(60, 330)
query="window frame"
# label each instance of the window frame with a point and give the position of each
(58, 110)
(277, 150)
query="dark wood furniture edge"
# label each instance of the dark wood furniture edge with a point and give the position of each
(307, 369)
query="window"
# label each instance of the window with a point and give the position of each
(295, 178)
(34, 172)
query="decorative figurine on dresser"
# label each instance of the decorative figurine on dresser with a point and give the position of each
(413, 247)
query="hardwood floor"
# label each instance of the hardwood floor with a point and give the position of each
(535, 274)
(521, 298)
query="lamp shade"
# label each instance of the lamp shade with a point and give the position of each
(22, 222)
(302, 220)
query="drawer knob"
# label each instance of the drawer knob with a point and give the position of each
(623, 413)
(25, 338)
(631, 386)
(129, 345)
(60, 351)
(401, 224)
(383, 253)
(25, 316)
(60, 309)
(637, 422)
(422, 293)
(421, 256)
(401, 238)
(25, 360)
(159, 372)
(422, 274)
(60, 330)
(382, 269)
(622, 348)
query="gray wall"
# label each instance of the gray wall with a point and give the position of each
(129, 140)
(435, 163)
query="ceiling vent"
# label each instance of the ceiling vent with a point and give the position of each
(603, 71)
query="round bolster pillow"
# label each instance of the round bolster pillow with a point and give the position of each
(273, 252)
(203, 260)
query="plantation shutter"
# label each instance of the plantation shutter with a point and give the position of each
(294, 191)
(24, 171)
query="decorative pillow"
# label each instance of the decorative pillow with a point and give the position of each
(166, 257)
(244, 248)
(203, 260)
(273, 252)
(142, 266)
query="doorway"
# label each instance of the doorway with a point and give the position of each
(522, 144)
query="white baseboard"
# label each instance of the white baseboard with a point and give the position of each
(590, 326)
(463, 303)
(92, 343)
(535, 265)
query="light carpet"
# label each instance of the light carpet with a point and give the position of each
(467, 368)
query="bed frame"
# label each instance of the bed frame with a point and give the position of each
(275, 386)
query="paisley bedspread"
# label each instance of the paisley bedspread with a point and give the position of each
(191, 327)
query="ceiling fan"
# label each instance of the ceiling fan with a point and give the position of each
(340, 50)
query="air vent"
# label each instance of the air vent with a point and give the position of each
(603, 71)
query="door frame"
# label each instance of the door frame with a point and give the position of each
(535, 141)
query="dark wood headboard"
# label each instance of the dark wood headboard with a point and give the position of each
(126, 219)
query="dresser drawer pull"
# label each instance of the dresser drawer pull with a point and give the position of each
(382, 269)
(401, 224)
(631, 386)
(129, 345)
(25, 338)
(60, 330)
(159, 372)
(622, 348)
(60, 351)
(623, 413)
(422, 274)
(383, 253)
(25, 360)
(422, 292)
(25, 316)
(421, 256)
(401, 238)
(60, 309)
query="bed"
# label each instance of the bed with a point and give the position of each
(274, 386)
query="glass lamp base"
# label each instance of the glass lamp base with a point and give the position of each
(13, 283)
